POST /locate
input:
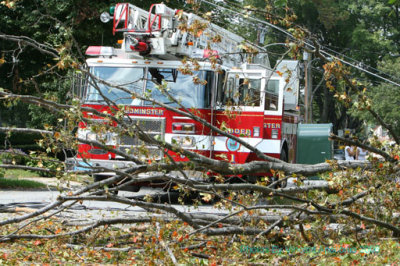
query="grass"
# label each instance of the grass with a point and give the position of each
(11, 183)
(18, 173)
(12, 180)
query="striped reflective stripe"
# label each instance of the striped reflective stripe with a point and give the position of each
(203, 143)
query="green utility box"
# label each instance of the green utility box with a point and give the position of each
(313, 144)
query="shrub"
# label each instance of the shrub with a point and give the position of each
(13, 156)
(48, 163)
(20, 138)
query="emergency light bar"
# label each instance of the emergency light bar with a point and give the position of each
(100, 51)
(205, 53)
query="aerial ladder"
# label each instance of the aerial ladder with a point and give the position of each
(172, 34)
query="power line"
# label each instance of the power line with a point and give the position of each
(359, 62)
(249, 17)
(310, 45)
(362, 69)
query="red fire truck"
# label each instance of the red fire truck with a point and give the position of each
(248, 100)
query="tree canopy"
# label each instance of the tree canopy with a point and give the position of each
(42, 43)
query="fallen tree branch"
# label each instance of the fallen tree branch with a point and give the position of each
(222, 167)
(366, 147)
(353, 86)
(165, 246)
(105, 248)
(233, 230)
(24, 167)
(148, 205)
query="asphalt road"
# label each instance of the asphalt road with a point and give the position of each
(91, 209)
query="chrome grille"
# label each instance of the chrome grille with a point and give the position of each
(129, 141)
(151, 126)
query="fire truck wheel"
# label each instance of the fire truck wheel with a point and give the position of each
(283, 156)
(98, 178)
(188, 197)
(132, 188)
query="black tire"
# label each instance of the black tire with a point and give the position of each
(284, 156)
(98, 178)
(188, 197)
(131, 188)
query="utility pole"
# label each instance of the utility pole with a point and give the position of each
(305, 58)
(310, 88)
(307, 86)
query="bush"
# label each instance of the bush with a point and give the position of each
(13, 156)
(47, 163)
(20, 138)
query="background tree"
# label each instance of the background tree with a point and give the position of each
(359, 196)
(384, 96)
(359, 32)
(54, 25)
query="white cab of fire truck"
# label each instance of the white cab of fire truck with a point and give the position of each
(262, 107)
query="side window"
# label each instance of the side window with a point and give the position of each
(228, 97)
(209, 78)
(241, 90)
(272, 95)
(220, 87)
(228, 93)
(249, 92)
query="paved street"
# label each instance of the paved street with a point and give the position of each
(37, 199)
(97, 209)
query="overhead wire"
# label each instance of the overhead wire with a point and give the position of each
(362, 69)
(359, 62)
(248, 17)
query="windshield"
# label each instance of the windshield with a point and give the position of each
(128, 78)
(181, 87)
